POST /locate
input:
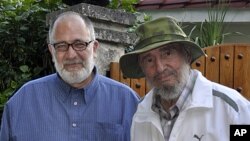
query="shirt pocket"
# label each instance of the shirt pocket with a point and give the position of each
(104, 131)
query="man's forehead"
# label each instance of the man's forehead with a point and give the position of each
(171, 45)
(68, 17)
(168, 46)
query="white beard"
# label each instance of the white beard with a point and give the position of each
(173, 92)
(75, 76)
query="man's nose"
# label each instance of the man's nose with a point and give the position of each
(71, 53)
(159, 65)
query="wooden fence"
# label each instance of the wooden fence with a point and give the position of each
(227, 64)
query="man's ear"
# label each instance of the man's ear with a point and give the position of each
(95, 47)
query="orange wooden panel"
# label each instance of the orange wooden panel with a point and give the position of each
(199, 64)
(226, 65)
(139, 85)
(242, 70)
(124, 79)
(115, 71)
(212, 64)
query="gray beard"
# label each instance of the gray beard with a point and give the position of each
(74, 77)
(169, 93)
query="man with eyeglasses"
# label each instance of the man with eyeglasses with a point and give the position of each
(76, 103)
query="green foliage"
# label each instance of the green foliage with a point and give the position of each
(23, 52)
(13, 85)
(211, 31)
(127, 5)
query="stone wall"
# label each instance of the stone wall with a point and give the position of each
(111, 31)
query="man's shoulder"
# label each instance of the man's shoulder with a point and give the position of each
(39, 82)
(224, 90)
(229, 96)
(116, 86)
(30, 89)
(108, 81)
(43, 79)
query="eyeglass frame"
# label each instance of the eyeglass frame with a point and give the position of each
(72, 45)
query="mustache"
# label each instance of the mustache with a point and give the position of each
(166, 72)
(68, 62)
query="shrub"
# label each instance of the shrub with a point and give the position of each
(23, 52)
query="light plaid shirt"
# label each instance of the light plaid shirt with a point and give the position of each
(168, 117)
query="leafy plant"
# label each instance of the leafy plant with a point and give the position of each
(211, 31)
(23, 52)
(127, 5)
(13, 85)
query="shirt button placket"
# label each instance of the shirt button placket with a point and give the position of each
(75, 103)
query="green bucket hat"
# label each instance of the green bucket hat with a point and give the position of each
(152, 35)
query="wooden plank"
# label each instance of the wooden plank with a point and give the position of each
(124, 79)
(212, 64)
(242, 70)
(139, 85)
(115, 71)
(199, 64)
(226, 65)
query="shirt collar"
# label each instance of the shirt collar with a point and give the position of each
(91, 88)
(64, 89)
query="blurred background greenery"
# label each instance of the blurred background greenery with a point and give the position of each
(23, 51)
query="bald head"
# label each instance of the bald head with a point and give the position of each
(69, 19)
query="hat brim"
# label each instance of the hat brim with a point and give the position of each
(129, 63)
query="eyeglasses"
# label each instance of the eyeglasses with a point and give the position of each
(77, 46)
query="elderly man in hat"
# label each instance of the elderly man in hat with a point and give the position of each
(182, 105)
